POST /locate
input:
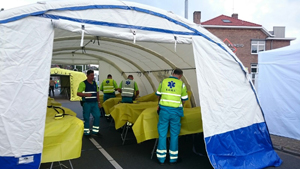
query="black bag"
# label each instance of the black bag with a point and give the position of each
(81, 103)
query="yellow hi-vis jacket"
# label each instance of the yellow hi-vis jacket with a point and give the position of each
(108, 86)
(172, 91)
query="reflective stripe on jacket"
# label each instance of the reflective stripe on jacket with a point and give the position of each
(90, 88)
(171, 90)
(127, 88)
(108, 86)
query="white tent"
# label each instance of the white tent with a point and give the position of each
(124, 37)
(279, 91)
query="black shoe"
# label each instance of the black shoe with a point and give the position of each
(179, 160)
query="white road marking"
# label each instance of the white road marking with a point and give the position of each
(106, 155)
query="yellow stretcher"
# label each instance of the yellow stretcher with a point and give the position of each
(63, 137)
(129, 112)
(145, 127)
(148, 98)
(110, 103)
(52, 102)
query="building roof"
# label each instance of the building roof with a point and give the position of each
(224, 20)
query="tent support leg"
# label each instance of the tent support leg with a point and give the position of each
(125, 129)
(71, 164)
(154, 147)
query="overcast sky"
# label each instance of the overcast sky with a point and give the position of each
(267, 13)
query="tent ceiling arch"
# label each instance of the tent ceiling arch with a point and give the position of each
(144, 54)
(229, 107)
(61, 59)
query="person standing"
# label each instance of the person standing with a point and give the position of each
(56, 84)
(51, 87)
(108, 87)
(172, 94)
(129, 90)
(89, 92)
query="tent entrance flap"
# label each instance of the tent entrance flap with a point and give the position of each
(230, 112)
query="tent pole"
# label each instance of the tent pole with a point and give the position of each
(99, 73)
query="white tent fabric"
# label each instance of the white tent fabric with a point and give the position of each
(126, 38)
(279, 91)
(24, 64)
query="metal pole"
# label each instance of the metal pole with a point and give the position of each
(186, 9)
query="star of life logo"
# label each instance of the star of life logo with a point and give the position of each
(171, 84)
(128, 82)
(107, 81)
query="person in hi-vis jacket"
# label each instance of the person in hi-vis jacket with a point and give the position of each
(129, 90)
(172, 94)
(89, 92)
(108, 87)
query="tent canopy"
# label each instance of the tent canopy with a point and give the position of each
(127, 38)
(278, 90)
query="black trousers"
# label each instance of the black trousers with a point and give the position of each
(51, 88)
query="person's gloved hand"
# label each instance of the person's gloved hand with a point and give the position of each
(158, 109)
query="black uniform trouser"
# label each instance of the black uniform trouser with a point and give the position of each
(51, 88)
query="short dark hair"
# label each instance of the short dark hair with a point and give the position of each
(50, 78)
(109, 75)
(89, 72)
(130, 76)
(177, 71)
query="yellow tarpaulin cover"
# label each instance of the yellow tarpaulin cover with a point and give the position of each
(129, 112)
(62, 138)
(148, 98)
(75, 79)
(188, 103)
(51, 112)
(126, 112)
(52, 102)
(110, 102)
(153, 98)
(145, 127)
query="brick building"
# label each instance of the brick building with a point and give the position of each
(245, 39)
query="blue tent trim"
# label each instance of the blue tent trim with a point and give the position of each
(248, 147)
(41, 13)
(13, 162)
(210, 141)
(117, 25)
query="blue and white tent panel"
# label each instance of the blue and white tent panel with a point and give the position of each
(133, 38)
(235, 132)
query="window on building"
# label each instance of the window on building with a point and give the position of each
(254, 71)
(257, 46)
(226, 21)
